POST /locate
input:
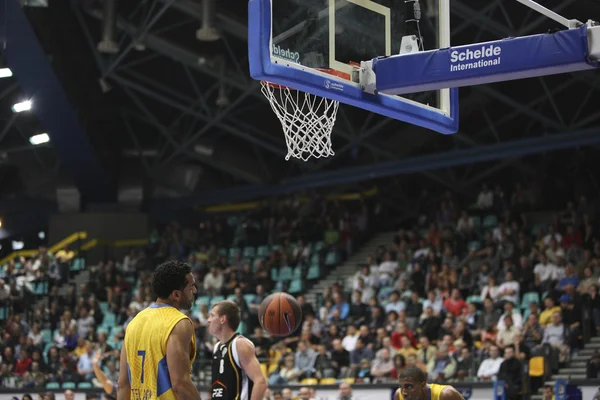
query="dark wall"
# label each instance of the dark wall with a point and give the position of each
(107, 226)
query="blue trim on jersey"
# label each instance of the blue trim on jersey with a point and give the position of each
(129, 373)
(154, 305)
(428, 392)
(163, 380)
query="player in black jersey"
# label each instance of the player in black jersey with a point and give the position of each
(236, 373)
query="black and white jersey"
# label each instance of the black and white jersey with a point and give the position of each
(229, 380)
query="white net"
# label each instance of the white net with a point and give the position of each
(307, 120)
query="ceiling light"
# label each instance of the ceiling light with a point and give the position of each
(39, 139)
(5, 73)
(23, 106)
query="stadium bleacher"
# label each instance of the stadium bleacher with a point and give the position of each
(492, 290)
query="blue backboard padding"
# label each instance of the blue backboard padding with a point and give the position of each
(262, 68)
(26, 57)
(501, 60)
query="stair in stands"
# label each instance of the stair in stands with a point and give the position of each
(576, 369)
(344, 271)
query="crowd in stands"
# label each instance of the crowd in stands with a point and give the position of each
(466, 292)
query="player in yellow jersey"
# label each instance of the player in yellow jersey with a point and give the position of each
(159, 345)
(414, 386)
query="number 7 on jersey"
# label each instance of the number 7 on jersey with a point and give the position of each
(142, 353)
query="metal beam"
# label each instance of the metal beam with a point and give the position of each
(512, 149)
(184, 108)
(141, 33)
(210, 161)
(225, 21)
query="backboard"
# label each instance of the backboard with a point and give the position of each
(316, 45)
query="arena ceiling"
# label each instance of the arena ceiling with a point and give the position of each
(169, 116)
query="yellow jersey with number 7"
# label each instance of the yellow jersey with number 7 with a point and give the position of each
(146, 345)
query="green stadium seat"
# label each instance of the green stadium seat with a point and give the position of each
(314, 272)
(53, 385)
(528, 298)
(215, 299)
(490, 221)
(297, 274)
(262, 251)
(249, 252)
(203, 300)
(295, 286)
(47, 335)
(474, 245)
(286, 274)
(84, 385)
(314, 259)
(68, 385)
(475, 299)
(331, 258)
(103, 306)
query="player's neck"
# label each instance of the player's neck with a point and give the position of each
(165, 302)
(225, 335)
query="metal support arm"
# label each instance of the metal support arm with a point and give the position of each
(569, 23)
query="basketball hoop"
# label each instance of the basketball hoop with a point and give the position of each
(307, 120)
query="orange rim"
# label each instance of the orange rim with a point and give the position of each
(276, 86)
(329, 71)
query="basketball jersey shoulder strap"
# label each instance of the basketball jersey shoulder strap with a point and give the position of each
(216, 347)
(234, 351)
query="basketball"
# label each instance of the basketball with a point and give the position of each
(280, 314)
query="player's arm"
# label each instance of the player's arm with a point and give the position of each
(107, 384)
(124, 387)
(178, 356)
(250, 364)
(448, 393)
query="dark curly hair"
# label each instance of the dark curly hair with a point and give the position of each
(413, 373)
(170, 276)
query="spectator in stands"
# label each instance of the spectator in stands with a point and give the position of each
(23, 365)
(532, 331)
(455, 304)
(555, 334)
(511, 372)
(509, 311)
(407, 349)
(304, 359)
(442, 367)
(464, 364)
(545, 272)
(489, 368)
(400, 331)
(340, 359)
(509, 290)
(287, 373)
(382, 366)
(506, 334)
(85, 365)
(549, 309)
(213, 281)
(490, 291)
(360, 352)
(339, 305)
